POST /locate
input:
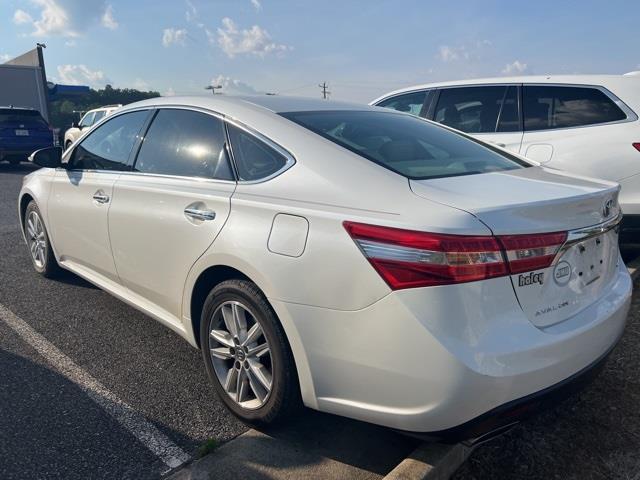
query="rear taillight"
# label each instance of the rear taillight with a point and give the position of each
(531, 252)
(636, 146)
(409, 259)
(406, 259)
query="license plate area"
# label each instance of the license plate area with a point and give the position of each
(22, 133)
(590, 257)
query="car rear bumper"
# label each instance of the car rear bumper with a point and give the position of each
(446, 359)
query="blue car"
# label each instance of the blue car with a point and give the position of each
(22, 131)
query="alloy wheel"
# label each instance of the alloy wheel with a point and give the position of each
(241, 355)
(36, 239)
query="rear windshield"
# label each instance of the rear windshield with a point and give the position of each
(9, 116)
(405, 144)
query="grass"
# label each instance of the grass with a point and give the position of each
(594, 435)
(207, 447)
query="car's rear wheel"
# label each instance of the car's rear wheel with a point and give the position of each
(42, 257)
(247, 355)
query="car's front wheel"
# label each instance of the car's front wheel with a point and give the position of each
(35, 232)
(247, 355)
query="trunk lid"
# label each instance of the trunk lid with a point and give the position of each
(538, 200)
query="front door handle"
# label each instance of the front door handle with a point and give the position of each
(198, 214)
(101, 197)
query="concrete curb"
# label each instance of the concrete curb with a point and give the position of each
(431, 461)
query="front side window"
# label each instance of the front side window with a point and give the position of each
(255, 160)
(547, 107)
(185, 143)
(109, 145)
(405, 144)
(478, 109)
(408, 102)
(87, 120)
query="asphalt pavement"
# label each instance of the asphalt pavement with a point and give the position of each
(49, 426)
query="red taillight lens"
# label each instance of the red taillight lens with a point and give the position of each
(407, 259)
(636, 146)
(531, 252)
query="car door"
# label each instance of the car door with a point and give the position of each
(170, 208)
(488, 112)
(82, 192)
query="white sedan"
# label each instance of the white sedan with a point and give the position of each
(354, 259)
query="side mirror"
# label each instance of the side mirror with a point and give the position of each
(50, 157)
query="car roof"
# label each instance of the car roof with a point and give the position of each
(601, 80)
(272, 103)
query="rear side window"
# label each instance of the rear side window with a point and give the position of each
(547, 107)
(255, 160)
(408, 145)
(98, 116)
(10, 116)
(185, 143)
(479, 109)
(108, 147)
(409, 102)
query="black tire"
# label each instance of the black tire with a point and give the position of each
(284, 399)
(48, 267)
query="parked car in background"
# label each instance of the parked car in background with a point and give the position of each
(22, 131)
(88, 119)
(363, 261)
(587, 124)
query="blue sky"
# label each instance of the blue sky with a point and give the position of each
(360, 48)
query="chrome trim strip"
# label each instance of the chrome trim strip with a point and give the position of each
(581, 234)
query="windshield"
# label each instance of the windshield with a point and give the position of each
(410, 146)
(10, 116)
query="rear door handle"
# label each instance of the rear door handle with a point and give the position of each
(198, 214)
(101, 197)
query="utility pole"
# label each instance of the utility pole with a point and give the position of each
(325, 92)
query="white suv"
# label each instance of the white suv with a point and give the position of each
(88, 119)
(585, 124)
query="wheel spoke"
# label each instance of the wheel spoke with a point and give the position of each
(34, 247)
(227, 316)
(258, 351)
(253, 334)
(230, 381)
(31, 229)
(222, 337)
(241, 385)
(261, 373)
(240, 322)
(257, 389)
(222, 352)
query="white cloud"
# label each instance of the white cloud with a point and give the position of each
(232, 86)
(20, 17)
(108, 20)
(170, 92)
(140, 84)
(451, 54)
(515, 68)
(4, 57)
(71, 43)
(254, 41)
(81, 74)
(174, 35)
(192, 13)
(256, 4)
(64, 18)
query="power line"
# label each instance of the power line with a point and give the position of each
(325, 92)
